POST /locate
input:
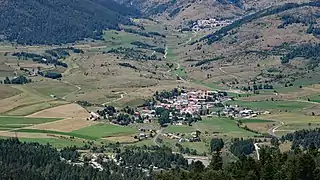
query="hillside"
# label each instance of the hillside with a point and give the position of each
(58, 21)
(177, 12)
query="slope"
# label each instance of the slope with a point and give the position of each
(58, 21)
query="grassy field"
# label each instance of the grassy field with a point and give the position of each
(12, 121)
(222, 126)
(255, 121)
(105, 130)
(269, 105)
(181, 73)
(180, 129)
(52, 87)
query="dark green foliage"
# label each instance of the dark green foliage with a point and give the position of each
(272, 165)
(304, 138)
(206, 61)
(60, 21)
(174, 12)
(255, 87)
(157, 34)
(216, 144)
(17, 80)
(216, 161)
(291, 19)
(161, 158)
(307, 51)
(30, 161)
(128, 65)
(142, 45)
(50, 57)
(160, 50)
(186, 150)
(167, 94)
(53, 75)
(218, 35)
(135, 54)
(240, 147)
(70, 153)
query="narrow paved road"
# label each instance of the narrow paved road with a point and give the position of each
(257, 148)
(156, 137)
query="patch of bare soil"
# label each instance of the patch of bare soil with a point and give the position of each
(65, 125)
(65, 111)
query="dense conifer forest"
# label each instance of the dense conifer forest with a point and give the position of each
(34, 161)
(59, 21)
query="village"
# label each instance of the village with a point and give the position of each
(178, 107)
(209, 23)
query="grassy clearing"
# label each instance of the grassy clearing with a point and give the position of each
(179, 129)
(181, 72)
(269, 105)
(53, 87)
(255, 121)
(315, 98)
(213, 86)
(222, 125)
(199, 146)
(15, 120)
(105, 130)
(82, 136)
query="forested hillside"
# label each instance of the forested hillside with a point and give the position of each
(34, 161)
(59, 21)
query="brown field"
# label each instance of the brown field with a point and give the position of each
(75, 118)
(26, 98)
(64, 111)
(65, 125)
(7, 91)
(260, 127)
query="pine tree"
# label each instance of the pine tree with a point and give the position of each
(216, 161)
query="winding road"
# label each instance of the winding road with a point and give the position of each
(272, 130)
(78, 89)
(118, 99)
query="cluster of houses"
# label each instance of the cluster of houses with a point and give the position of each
(239, 112)
(181, 137)
(190, 102)
(209, 23)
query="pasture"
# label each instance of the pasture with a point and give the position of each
(222, 126)
(272, 105)
(210, 126)
(106, 130)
